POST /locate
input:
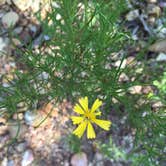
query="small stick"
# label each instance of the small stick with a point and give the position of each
(145, 25)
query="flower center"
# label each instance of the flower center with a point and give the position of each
(89, 116)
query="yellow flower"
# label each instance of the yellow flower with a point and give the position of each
(87, 118)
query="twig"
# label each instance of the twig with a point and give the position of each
(145, 25)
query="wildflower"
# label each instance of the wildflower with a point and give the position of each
(87, 118)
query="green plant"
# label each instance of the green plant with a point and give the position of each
(111, 151)
(78, 61)
(74, 62)
(73, 143)
(161, 90)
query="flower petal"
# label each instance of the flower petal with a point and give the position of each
(97, 113)
(104, 124)
(84, 103)
(79, 131)
(77, 119)
(78, 109)
(90, 131)
(96, 105)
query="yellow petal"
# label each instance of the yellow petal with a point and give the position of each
(90, 131)
(104, 124)
(77, 119)
(78, 109)
(96, 105)
(79, 131)
(84, 103)
(97, 113)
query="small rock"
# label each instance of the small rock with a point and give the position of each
(58, 17)
(2, 2)
(18, 30)
(144, 114)
(13, 128)
(98, 156)
(29, 117)
(139, 70)
(3, 44)
(23, 22)
(132, 15)
(35, 5)
(27, 158)
(39, 40)
(46, 37)
(6, 85)
(25, 37)
(43, 76)
(22, 4)
(16, 42)
(4, 162)
(10, 163)
(18, 116)
(123, 77)
(4, 139)
(22, 107)
(152, 1)
(157, 104)
(161, 57)
(55, 4)
(161, 32)
(46, 8)
(34, 119)
(135, 89)
(2, 14)
(11, 150)
(158, 46)
(153, 10)
(3, 126)
(151, 20)
(147, 90)
(79, 159)
(10, 19)
(34, 30)
(9, 2)
(123, 64)
(21, 147)
(111, 163)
